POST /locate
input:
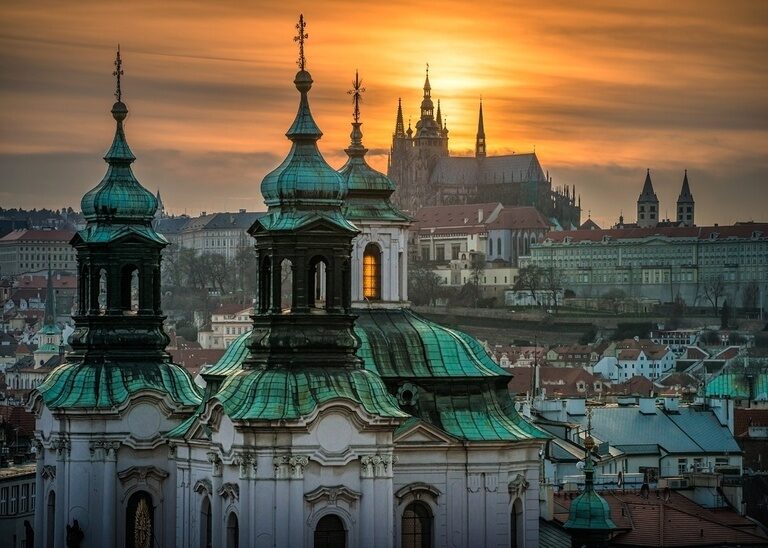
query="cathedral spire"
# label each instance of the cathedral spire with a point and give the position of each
(427, 86)
(685, 204)
(399, 125)
(480, 140)
(439, 116)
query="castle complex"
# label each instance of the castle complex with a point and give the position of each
(427, 175)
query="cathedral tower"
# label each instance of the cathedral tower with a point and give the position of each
(480, 139)
(685, 204)
(647, 205)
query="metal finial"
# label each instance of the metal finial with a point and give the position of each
(300, 37)
(356, 92)
(427, 69)
(118, 72)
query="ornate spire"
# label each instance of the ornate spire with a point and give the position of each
(119, 197)
(427, 86)
(300, 37)
(399, 126)
(356, 93)
(304, 126)
(118, 72)
(439, 116)
(356, 148)
(480, 139)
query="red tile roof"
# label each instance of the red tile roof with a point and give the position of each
(453, 218)
(41, 282)
(37, 235)
(519, 217)
(677, 521)
(739, 230)
(744, 418)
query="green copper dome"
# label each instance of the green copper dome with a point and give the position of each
(589, 511)
(304, 178)
(119, 197)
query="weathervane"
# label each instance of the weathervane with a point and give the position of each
(300, 37)
(355, 92)
(118, 72)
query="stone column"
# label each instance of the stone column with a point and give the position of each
(108, 501)
(246, 524)
(367, 502)
(282, 520)
(382, 469)
(217, 531)
(61, 446)
(41, 502)
(296, 498)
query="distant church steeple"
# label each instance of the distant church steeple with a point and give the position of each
(685, 204)
(480, 139)
(399, 126)
(647, 205)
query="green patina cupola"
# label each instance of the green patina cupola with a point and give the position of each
(119, 197)
(368, 190)
(589, 518)
(118, 346)
(304, 180)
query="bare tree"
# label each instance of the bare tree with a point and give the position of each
(714, 289)
(749, 295)
(529, 278)
(553, 283)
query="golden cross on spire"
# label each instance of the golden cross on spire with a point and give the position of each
(118, 72)
(356, 91)
(300, 37)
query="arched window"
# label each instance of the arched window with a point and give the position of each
(206, 524)
(265, 284)
(417, 526)
(317, 288)
(50, 520)
(517, 530)
(498, 246)
(330, 532)
(233, 531)
(140, 521)
(490, 246)
(372, 272)
(102, 294)
(286, 284)
(129, 289)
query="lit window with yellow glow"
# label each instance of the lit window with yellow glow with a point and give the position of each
(372, 273)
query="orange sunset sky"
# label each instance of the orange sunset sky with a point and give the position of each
(602, 89)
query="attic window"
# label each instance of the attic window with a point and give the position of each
(567, 239)
(713, 235)
(606, 239)
(757, 234)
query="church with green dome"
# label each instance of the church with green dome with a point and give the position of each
(342, 419)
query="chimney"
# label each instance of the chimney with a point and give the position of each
(479, 216)
(576, 406)
(647, 406)
(671, 404)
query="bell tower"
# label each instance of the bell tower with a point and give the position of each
(118, 261)
(303, 247)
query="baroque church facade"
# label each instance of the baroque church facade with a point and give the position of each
(342, 419)
(426, 174)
